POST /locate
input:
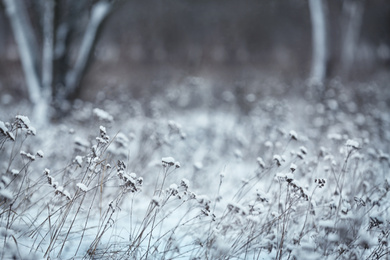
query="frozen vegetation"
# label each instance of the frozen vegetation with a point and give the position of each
(266, 177)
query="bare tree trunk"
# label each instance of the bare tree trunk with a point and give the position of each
(48, 47)
(57, 81)
(353, 14)
(99, 13)
(319, 42)
(26, 43)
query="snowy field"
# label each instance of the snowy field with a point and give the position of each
(267, 176)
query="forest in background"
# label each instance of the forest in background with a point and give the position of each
(144, 42)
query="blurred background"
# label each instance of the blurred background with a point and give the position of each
(144, 47)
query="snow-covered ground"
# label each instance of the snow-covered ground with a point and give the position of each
(289, 178)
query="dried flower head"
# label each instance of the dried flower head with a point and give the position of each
(353, 144)
(173, 189)
(40, 154)
(260, 162)
(303, 149)
(22, 122)
(293, 135)
(278, 159)
(320, 182)
(185, 184)
(168, 161)
(27, 156)
(293, 167)
(103, 138)
(4, 133)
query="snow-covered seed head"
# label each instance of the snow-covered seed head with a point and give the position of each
(40, 154)
(173, 189)
(155, 201)
(260, 162)
(46, 171)
(293, 167)
(185, 184)
(293, 135)
(353, 144)
(168, 161)
(303, 150)
(24, 123)
(278, 159)
(27, 156)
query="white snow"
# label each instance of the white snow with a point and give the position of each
(293, 135)
(260, 161)
(103, 115)
(293, 167)
(303, 149)
(40, 153)
(82, 187)
(352, 143)
(25, 123)
(79, 160)
(198, 165)
(335, 136)
(81, 142)
(5, 193)
(121, 139)
(27, 155)
(168, 161)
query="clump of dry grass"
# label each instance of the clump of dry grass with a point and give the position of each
(305, 194)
